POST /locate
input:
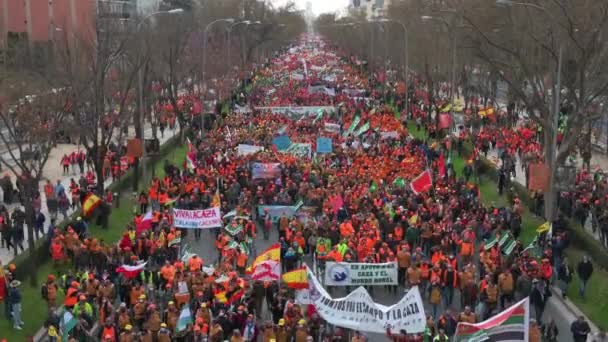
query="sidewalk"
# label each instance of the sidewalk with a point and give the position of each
(53, 171)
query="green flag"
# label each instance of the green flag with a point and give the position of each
(503, 239)
(400, 182)
(373, 187)
(353, 125)
(298, 205)
(362, 129)
(234, 228)
(68, 322)
(185, 318)
(490, 243)
(319, 116)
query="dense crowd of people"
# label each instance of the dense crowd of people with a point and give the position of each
(354, 204)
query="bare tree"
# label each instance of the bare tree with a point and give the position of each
(29, 126)
(529, 47)
(100, 75)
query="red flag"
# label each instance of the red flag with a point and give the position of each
(145, 223)
(445, 120)
(422, 183)
(441, 165)
(131, 272)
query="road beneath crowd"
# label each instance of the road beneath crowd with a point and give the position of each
(205, 248)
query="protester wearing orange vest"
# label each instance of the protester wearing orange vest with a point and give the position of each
(71, 295)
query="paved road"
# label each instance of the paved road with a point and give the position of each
(205, 248)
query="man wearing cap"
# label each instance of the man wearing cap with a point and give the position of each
(282, 333)
(268, 333)
(123, 317)
(83, 307)
(127, 335)
(301, 331)
(139, 310)
(13, 302)
(204, 313)
(164, 334)
(153, 320)
(71, 296)
(91, 287)
(171, 315)
(49, 291)
(106, 289)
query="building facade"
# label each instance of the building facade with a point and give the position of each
(39, 21)
(371, 8)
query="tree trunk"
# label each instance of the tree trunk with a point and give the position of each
(29, 188)
(551, 162)
(99, 171)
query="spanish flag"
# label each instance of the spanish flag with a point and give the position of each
(272, 253)
(216, 201)
(228, 298)
(91, 202)
(296, 279)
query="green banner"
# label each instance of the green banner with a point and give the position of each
(362, 129)
(353, 125)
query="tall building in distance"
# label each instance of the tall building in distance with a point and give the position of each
(371, 8)
(309, 14)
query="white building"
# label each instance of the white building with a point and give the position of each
(372, 8)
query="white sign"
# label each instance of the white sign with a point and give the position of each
(360, 274)
(358, 311)
(332, 127)
(197, 219)
(245, 150)
(301, 150)
(388, 135)
(297, 77)
(298, 112)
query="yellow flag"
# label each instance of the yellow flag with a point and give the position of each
(216, 202)
(413, 219)
(543, 227)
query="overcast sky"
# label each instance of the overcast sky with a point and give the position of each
(318, 6)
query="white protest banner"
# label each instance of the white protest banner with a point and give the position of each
(353, 92)
(197, 219)
(358, 311)
(360, 274)
(332, 127)
(243, 110)
(389, 135)
(297, 112)
(245, 150)
(297, 77)
(322, 89)
(265, 170)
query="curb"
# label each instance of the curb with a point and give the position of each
(572, 308)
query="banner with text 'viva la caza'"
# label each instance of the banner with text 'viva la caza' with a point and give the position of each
(197, 219)
(358, 311)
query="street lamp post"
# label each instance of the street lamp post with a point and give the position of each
(140, 95)
(229, 44)
(453, 72)
(406, 58)
(205, 32)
